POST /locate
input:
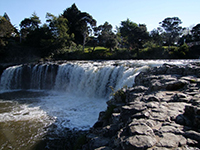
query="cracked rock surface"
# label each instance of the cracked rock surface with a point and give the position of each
(161, 111)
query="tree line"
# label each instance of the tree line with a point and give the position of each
(66, 36)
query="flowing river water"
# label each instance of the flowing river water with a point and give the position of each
(41, 101)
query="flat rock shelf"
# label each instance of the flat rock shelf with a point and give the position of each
(161, 111)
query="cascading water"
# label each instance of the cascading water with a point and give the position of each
(68, 95)
(90, 80)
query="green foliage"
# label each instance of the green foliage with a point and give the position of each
(65, 37)
(196, 32)
(152, 51)
(29, 24)
(156, 37)
(134, 36)
(182, 51)
(120, 95)
(172, 29)
(79, 23)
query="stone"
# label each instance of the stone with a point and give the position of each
(189, 110)
(103, 148)
(170, 129)
(99, 142)
(140, 129)
(138, 89)
(180, 119)
(192, 135)
(129, 110)
(171, 140)
(181, 97)
(158, 116)
(161, 111)
(152, 105)
(152, 98)
(98, 124)
(115, 118)
(138, 142)
(191, 142)
(175, 85)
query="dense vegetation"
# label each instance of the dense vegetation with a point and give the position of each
(74, 35)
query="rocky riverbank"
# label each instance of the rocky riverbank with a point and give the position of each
(161, 111)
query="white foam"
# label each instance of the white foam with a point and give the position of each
(71, 111)
(24, 112)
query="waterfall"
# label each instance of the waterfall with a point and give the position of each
(87, 80)
(11, 78)
(38, 77)
(83, 79)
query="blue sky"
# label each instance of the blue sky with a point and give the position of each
(149, 12)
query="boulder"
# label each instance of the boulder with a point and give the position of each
(138, 142)
(170, 140)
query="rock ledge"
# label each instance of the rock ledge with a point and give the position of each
(161, 111)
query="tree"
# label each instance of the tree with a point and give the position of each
(8, 34)
(104, 32)
(172, 29)
(60, 30)
(29, 24)
(134, 36)
(79, 23)
(196, 32)
(105, 35)
(6, 16)
(156, 37)
(6, 30)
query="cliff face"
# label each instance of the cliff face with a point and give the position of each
(162, 110)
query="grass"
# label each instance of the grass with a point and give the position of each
(98, 48)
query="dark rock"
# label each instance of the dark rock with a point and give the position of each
(189, 110)
(175, 85)
(98, 142)
(181, 97)
(98, 124)
(192, 142)
(192, 135)
(110, 130)
(103, 148)
(181, 119)
(115, 118)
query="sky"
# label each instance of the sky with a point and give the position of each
(149, 12)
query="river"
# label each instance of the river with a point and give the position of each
(42, 101)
